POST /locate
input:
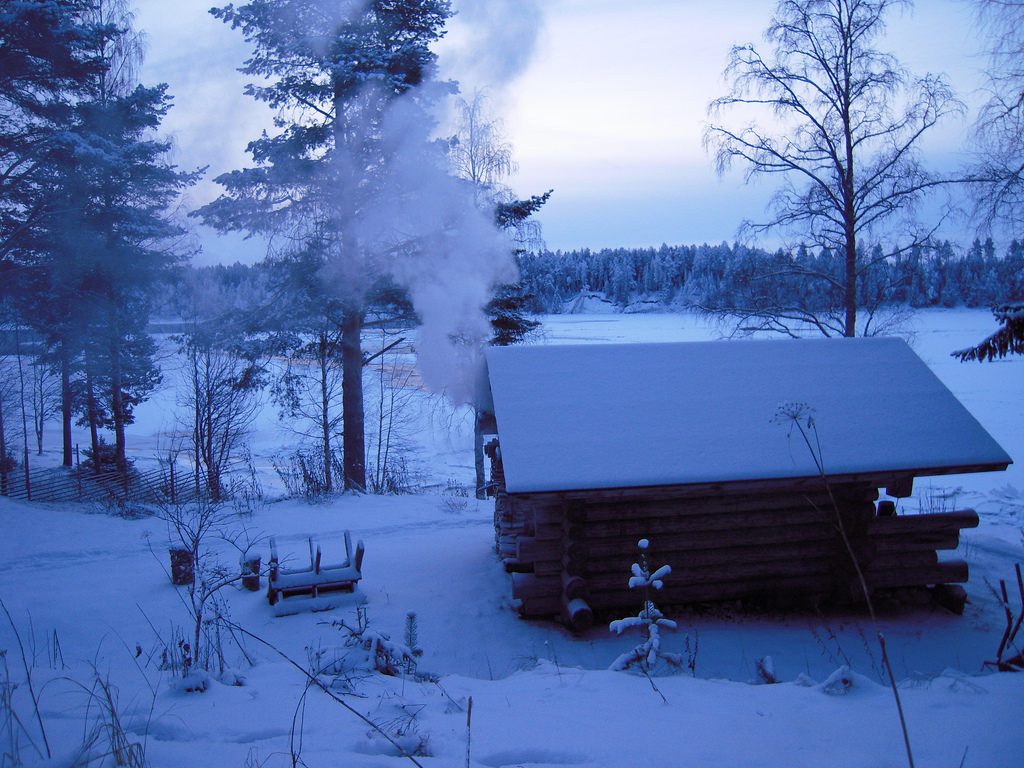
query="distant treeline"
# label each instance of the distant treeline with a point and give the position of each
(679, 276)
(714, 275)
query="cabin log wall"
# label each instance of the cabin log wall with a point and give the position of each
(570, 553)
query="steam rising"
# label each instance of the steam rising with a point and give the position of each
(492, 40)
(424, 227)
(440, 246)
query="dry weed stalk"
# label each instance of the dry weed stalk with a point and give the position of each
(800, 416)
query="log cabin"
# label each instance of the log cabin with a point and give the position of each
(745, 463)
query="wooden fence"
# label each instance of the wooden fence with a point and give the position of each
(163, 483)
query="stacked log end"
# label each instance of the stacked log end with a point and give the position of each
(571, 556)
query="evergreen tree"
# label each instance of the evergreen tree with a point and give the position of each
(334, 70)
(46, 59)
(1008, 340)
(108, 238)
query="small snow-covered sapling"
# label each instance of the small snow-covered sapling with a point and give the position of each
(412, 634)
(650, 618)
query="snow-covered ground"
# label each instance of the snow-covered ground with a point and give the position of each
(90, 597)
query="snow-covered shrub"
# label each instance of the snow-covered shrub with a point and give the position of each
(395, 477)
(454, 498)
(397, 731)
(203, 651)
(412, 637)
(304, 474)
(367, 650)
(102, 459)
(650, 620)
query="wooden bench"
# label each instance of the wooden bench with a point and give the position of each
(292, 584)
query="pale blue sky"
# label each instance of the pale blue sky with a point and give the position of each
(604, 102)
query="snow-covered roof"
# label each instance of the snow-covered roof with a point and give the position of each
(635, 415)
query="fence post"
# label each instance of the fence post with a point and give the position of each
(28, 484)
(78, 471)
(170, 460)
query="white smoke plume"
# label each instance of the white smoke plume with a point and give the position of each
(424, 227)
(439, 245)
(491, 41)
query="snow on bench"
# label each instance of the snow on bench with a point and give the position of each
(317, 587)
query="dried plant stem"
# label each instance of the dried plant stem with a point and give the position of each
(469, 728)
(28, 679)
(815, 451)
(314, 680)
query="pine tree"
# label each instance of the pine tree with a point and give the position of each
(46, 59)
(649, 620)
(108, 237)
(334, 71)
(1008, 340)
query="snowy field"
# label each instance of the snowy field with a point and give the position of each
(91, 599)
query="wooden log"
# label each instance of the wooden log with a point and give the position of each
(578, 567)
(951, 571)
(896, 560)
(952, 597)
(530, 549)
(939, 522)
(182, 566)
(548, 568)
(548, 531)
(841, 485)
(576, 511)
(809, 585)
(717, 539)
(820, 567)
(916, 543)
(597, 508)
(574, 587)
(709, 558)
(725, 505)
(525, 548)
(536, 607)
(515, 565)
(806, 587)
(577, 614)
(549, 511)
(736, 541)
(654, 529)
(900, 488)
(528, 586)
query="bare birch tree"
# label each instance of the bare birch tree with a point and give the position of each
(999, 130)
(999, 138)
(840, 122)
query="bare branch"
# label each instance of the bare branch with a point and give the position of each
(846, 150)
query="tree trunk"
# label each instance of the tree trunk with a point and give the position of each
(38, 405)
(353, 444)
(3, 453)
(849, 216)
(850, 293)
(65, 405)
(92, 413)
(325, 407)
(209, 395)
(117, 409)
(478, 456)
